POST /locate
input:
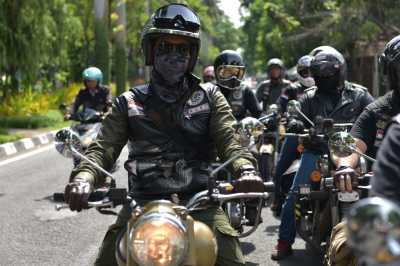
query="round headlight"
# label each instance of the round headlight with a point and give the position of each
(158, 240)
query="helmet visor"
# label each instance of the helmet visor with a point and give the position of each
(176, 16)
(228, 71)
(324, 69)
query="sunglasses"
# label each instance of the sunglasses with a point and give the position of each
(228, 71)
(165, 47)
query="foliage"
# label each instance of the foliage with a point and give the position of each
(292, 28)
(5, 137)
(51, 118)
(33, 102)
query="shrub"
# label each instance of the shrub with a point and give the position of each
(49, 119)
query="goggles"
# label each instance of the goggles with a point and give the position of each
(229, 71)
(174, 16)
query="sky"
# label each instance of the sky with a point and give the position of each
(231, 9)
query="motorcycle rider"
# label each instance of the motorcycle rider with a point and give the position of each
(269, 90)
(208, 74)
(229, 72)
(173, 126)
(305, 81)
(94, 95)
(369, 131)
(332, 97)
(386, 171)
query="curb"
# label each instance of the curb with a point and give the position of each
(23, 145)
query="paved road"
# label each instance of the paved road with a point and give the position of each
(33, 233)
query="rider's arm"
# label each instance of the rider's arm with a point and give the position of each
(77, 103)
(251, 103)
(364, 131)
(222, 132)
(108, 145)
(352, 160)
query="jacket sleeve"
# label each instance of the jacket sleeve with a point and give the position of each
(260, 92)
(252, 104)
(106, 149)
(223, 133)
(76, 104)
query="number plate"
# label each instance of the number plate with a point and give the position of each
(348, 196)
(305, 190)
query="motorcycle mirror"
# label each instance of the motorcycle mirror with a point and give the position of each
(373, 227)
(64, 140)
(273, 108)
(341, 144)
(250, 126)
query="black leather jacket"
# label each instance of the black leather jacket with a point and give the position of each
(354, 98)
(268, 92)
(243, 102)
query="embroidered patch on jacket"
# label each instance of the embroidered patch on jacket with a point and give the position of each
(135, 108)
(196, 98)
(237, 94)
(198, 109)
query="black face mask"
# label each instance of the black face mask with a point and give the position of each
(231, 83)
(172, 67)
(328, 84)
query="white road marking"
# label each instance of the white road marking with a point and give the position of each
(26, 155)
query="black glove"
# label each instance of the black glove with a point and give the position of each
(295, 126)
(249, 181)
(77, 193)
(343, 178)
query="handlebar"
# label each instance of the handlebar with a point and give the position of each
(117, 196)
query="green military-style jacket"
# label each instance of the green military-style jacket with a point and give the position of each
(170, 144)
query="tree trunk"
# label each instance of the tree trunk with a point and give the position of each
(121, 61)
(102, 47)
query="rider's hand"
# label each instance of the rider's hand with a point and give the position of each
(77, 193)
(249, 181)
(343, 178)
(67, 116)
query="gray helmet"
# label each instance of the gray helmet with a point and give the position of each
(172, 19)
(275, 62)
(374, 231)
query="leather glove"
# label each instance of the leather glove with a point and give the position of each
(77, 194)
(249, 181)
(343, 178)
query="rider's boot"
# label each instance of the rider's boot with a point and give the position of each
(282, 250)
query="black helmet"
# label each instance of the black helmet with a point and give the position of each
(327, 66)
(275, 62)
(229, 69)
(390, 62)
(172, 19)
